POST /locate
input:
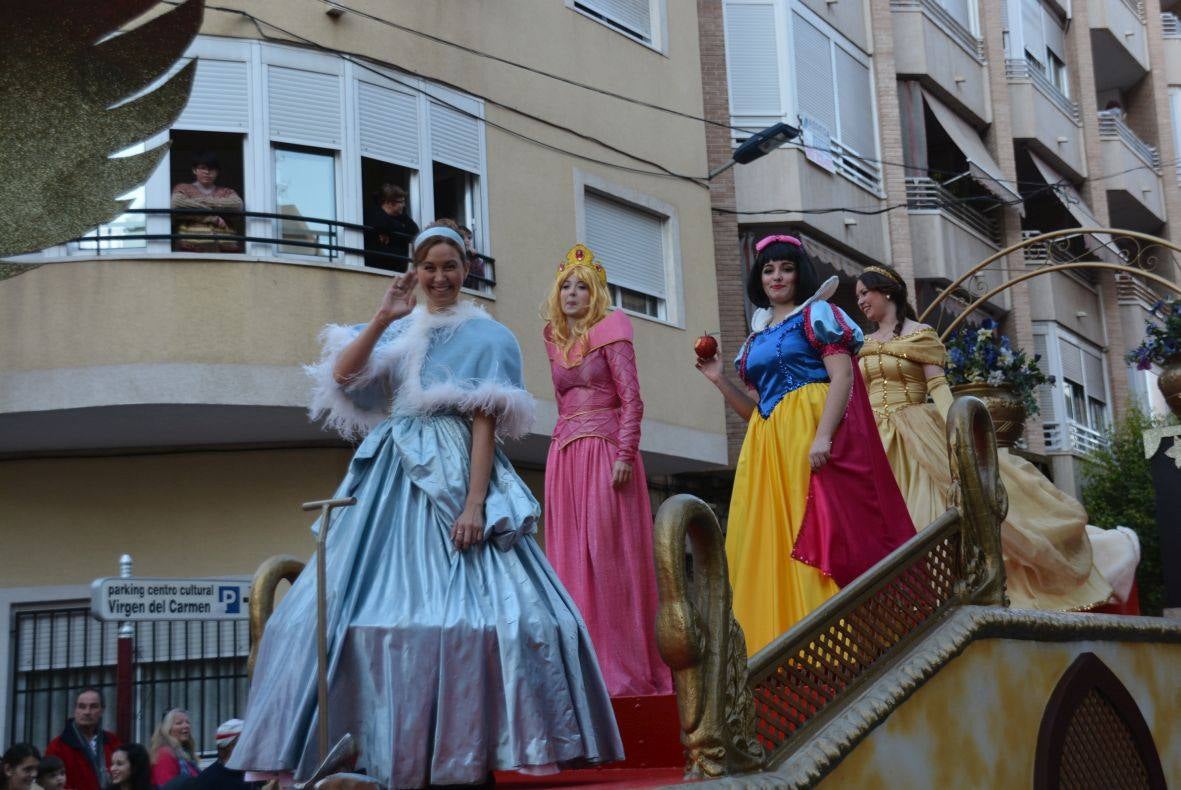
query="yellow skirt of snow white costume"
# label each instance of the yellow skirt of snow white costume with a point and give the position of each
(773, 591)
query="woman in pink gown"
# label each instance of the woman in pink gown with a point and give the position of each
(598, 519)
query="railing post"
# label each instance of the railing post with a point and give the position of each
(124, 668)
(326, 507)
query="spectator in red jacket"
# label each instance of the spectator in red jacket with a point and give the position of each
(84, 746)
(174, 752)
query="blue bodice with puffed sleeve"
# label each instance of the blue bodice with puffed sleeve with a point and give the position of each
(790, 354)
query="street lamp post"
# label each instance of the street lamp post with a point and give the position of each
(758, 144)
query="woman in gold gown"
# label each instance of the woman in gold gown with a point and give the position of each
(1048, 557)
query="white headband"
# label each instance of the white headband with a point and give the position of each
(440, 230)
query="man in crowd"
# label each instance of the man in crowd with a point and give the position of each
(391, 230)
(84, 746)
(217, 776)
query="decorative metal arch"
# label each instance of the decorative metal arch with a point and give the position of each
(1137, 261)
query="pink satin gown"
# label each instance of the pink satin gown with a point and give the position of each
(599, 538)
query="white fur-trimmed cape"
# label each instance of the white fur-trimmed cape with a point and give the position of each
(458, 360)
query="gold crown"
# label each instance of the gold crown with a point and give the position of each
(580, 255)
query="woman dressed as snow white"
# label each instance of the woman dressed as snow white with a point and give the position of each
(453, 648)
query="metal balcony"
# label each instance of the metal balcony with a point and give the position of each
(1070, 436)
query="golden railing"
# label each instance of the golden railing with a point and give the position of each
(738, 715)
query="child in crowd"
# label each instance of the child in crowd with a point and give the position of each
(51, 773)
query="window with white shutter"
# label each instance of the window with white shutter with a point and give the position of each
(311, 136)
(833, 86)
(1075, 410)
(755, 97)
(812, 56)
(1032, 34)
(630, 242)
(388, 121)
(635, 18)
(455, 138)
(1045, 395)
(305, 107)
(856, 104)
(220, 99)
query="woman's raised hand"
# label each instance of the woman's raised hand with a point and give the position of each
(711, 368)
(399, 299)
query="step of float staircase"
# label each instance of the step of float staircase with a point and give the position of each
(651, 734)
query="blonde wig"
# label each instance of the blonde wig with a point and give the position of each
(567, 337)
(162, 737)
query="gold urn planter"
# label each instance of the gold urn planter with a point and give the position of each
(1004, 406)
(1170, 383)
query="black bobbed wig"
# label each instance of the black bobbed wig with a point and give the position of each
(807, 281)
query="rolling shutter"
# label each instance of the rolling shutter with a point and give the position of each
(812, 56)
(1034, 40)
(1072, 361)
(304, 107)
(630, 243)
(220, 99)
(634, 15)
(455, 138)
(388, 121)
(856, 104)
(1095, 384)
(751, 58)
(1053, 34)
(1045, 395)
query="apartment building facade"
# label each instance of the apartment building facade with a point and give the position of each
(936, 133)
(152, 399)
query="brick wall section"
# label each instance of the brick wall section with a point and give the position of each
(716, 102)
(999, 139)
(890, 138)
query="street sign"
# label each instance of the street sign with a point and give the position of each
(133, 598)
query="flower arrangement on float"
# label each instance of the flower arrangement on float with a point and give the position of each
(1162, 346)
(984, 363)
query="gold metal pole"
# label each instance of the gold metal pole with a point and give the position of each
(1061, 267)
(326, 507)
(1053, 234)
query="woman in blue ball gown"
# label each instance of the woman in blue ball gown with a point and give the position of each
(453, 648)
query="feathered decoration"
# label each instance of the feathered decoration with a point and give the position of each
(67, 73)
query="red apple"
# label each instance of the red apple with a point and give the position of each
(706, 347)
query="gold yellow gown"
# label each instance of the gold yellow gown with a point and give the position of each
(1048, 558)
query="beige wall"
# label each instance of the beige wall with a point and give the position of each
(975, 724)
(183, 514)
(1060, 297)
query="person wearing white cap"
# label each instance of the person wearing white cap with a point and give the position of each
(217, 776)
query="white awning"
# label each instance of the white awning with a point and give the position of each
(1073, 201)
(980, 163)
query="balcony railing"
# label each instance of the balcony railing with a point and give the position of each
(927, 194)
(851, 164)
(290, 235)
(1137, 8)
(1071, 436)
(1019, 69)
(955, 28)
(1170, 25)
(1112, 127)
